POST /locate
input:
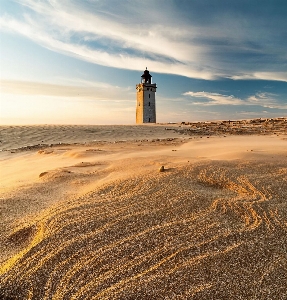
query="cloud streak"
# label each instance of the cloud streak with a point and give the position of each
(214, 99)
(266, 100)
(134, 34)
(86, 90)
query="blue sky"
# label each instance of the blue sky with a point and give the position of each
(77, 62)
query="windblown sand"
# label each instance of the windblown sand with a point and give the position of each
(99, 221)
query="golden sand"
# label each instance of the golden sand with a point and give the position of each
(101, 222)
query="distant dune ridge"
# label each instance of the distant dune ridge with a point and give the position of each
(37, 136)
(98, 220)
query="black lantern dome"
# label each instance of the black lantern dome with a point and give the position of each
(146, 77)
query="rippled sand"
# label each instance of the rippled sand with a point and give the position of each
(102, 222)
(14, 137)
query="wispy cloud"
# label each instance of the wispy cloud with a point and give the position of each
(84, 89)
(68, 29)
(214, 99)
(272, 76)
(267, 100)
(133, 34)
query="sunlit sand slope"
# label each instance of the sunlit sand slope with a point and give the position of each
(207, 230)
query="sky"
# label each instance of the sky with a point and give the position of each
(78, 61)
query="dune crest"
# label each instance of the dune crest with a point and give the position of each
(111, 226)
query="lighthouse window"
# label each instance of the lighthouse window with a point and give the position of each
(149, 104)
(148, 89)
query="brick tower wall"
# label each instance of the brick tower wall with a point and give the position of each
(146, 110)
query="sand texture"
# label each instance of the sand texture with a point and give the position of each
(100, 221)
(35, 137)
(242, 127)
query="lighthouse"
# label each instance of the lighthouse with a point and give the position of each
(145, 110)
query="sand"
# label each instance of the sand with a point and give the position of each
(90, 219)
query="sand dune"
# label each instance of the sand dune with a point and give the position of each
(14, 137)
(101, 222)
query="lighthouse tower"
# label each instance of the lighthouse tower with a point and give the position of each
(145, 111)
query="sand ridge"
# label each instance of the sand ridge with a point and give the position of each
(33, 136)
(103, 223)
(202, 236)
